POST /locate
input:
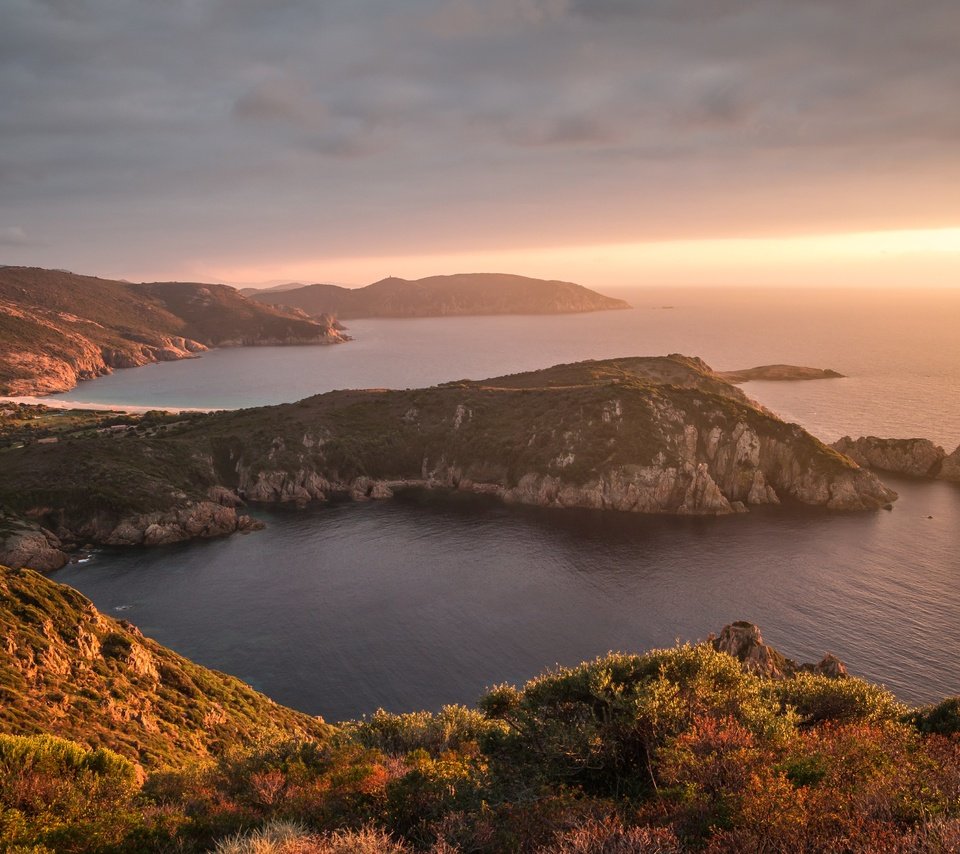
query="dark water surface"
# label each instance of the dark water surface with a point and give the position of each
(426, 600)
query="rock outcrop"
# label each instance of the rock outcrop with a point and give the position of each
(779, 373)
(913, 457)
(194, 520)
(24, 543)
(743, 641)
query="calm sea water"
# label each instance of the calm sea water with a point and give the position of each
(427, 600)
(421, 601)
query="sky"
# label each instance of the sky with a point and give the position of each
(610, 142)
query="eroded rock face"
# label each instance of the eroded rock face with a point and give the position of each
(743, 641)
(25, 544)
(914, 457)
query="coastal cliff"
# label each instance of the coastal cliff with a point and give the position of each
(643, 435)
(58, 328)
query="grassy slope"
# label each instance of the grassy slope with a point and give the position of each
(461, 294)
(68, 670)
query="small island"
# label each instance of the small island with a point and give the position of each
(779, 373)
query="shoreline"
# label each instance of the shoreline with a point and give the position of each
(132, 408)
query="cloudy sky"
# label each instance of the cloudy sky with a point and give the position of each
(610, 141)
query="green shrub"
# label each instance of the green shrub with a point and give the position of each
(818, 699)
(58, 794)
(942, 718)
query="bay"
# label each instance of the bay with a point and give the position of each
(429, 599)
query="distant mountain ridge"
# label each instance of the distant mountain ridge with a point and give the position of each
(57, 327)
(442, 296)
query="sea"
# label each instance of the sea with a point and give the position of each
(430, 599)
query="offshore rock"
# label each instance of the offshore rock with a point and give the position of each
(913, 457)
(743, 641)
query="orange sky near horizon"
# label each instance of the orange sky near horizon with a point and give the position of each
(903, 258)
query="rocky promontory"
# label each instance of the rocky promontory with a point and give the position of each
(778, 373)
(911, 457)
(58, 328)
(642, 435)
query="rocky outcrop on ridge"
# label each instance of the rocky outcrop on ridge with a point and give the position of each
(58, 328)
(778, 373)
(743, 641)
(913, 457)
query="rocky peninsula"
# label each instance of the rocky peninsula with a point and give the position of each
(643, 435)
(58, 328)
(442, 296)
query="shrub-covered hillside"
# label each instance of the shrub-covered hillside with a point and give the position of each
(675, 750)
(68, 670)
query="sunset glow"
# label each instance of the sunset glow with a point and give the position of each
(861, 259)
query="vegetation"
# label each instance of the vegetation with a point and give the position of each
(69, 671)
(676, 750)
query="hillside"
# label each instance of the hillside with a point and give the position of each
(57, 328)
(441, 296)
(723, 746)
(68, 670)
(644, 435)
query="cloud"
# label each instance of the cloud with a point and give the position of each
(236, 126)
